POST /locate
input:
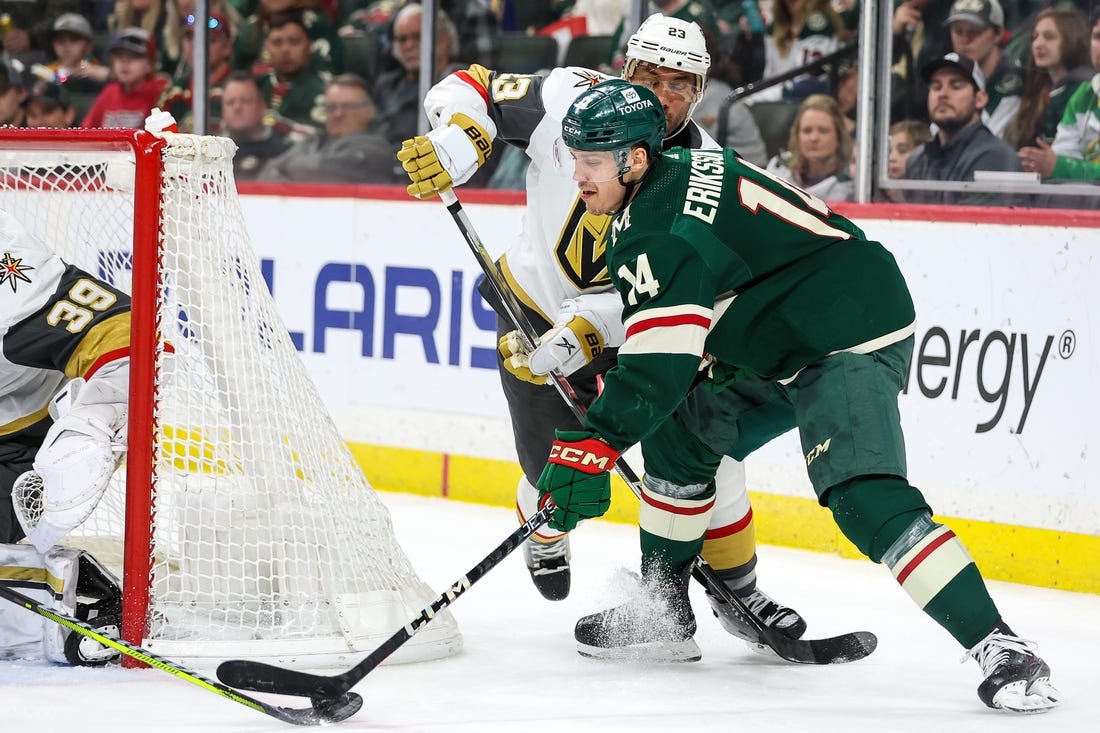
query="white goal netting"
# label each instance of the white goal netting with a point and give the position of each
(266, 540)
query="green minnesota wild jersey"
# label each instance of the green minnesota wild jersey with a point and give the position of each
(720, 264)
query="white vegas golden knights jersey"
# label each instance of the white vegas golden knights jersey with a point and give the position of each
(56, 322)
(559, 252)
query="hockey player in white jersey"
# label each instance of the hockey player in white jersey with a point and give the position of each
(64, 380)
(556, 268)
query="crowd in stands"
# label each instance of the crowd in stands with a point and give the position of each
(326, 90)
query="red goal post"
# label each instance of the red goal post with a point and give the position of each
(241, 523)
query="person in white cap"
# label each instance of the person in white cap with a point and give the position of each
(976, 27)
(75, 66)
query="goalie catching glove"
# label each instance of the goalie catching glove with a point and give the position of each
(585, 326)
(448, 155)
(77, 457)
(577, 478)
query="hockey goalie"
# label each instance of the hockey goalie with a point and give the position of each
(64, 378)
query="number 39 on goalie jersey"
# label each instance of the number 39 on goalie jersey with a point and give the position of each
(716, 256)
(56, 322)
(560, 252)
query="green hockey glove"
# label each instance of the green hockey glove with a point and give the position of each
(577, 477)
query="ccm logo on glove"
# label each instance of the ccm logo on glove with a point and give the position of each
(590, 455)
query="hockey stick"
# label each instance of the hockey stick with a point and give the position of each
(322, 711)
(844, 648)
(263, 677)
(249, 675)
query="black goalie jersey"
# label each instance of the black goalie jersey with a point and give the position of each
(57, 322)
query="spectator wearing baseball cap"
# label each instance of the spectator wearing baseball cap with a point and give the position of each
(48, 105)
(962, 143)
(73, 23)
(976, 27)
(127, 101)
(76, 66)
(177, 99)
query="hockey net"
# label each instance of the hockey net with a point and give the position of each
(240, 522)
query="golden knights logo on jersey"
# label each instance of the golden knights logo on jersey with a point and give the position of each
(13, 270)
(580, 248)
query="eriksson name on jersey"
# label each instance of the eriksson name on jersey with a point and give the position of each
(704, 184)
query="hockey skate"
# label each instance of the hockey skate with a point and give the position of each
(99, 604)
(548, 563)
(1016, 679)
(769, 613)
(655, 626)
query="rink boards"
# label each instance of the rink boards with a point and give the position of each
(379, 295)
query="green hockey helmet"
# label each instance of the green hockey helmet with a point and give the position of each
(614, 115)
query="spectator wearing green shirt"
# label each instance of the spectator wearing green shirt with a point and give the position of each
(1075, 153)
(292, 88)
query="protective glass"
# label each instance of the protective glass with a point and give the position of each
(594, 166)
(644, 75)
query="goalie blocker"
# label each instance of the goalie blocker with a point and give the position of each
(68, 581)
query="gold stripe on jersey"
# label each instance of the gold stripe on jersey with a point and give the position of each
(580, 248)
(25, 422)
(520, 293)
(110, 334)
(479, 74)
(37, 576)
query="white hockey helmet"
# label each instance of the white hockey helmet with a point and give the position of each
(671, 43)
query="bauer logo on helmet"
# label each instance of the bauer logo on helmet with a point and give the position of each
(673, 51)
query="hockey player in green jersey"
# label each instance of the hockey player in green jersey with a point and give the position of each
(555, 265)
(751, 308)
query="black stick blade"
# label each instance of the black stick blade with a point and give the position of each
(324, 711)
(246, 674)
(842, 649)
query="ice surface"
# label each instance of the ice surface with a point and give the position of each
(520, 671)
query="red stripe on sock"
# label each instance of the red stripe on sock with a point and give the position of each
(727, 530)
(908, 569)
(673, 509)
